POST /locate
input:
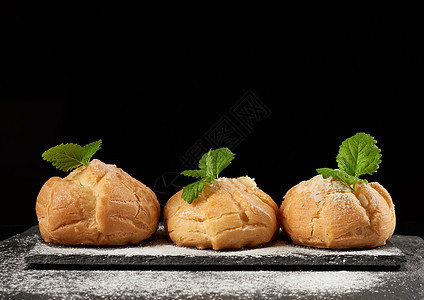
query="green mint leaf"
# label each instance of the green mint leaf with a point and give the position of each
(211, 164)
(214, 161)
(222, 158)
(343, 176)
(194, 173)
(202, 161)
(192, 191)
(65, 157)
(90, 150)
(359, 155)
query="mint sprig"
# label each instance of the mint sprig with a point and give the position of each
(343, 176)
(67, 157)
(210, 165)
(358, 155)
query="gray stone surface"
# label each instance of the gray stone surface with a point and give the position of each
(159, 251)
(19, 281)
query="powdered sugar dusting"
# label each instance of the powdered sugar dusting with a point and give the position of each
(186, 284)
(158, 249)
(17, 281)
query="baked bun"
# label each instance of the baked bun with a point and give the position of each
(229, 213)
(326, 213)
(96, 205)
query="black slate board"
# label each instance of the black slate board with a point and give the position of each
(158, 251)
(18, 280)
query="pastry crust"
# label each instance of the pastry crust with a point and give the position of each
(326, 213)
(229, 213)
(96, 205)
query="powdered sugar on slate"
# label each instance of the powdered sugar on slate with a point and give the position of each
(186, 284)
(17, 281)
(159, 251)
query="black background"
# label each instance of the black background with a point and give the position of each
(151, 83)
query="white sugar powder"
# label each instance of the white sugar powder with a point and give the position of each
(160, 246)
(16, 281)
(184, 284)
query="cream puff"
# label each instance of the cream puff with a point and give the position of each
(98, 204)
(327, 213)
(228, 214)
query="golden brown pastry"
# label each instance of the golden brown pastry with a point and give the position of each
(326, 213)
(96, 205)
(229, 213)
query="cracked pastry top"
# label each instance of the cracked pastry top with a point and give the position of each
(228, 214)
(96, 205)
(327, 213)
